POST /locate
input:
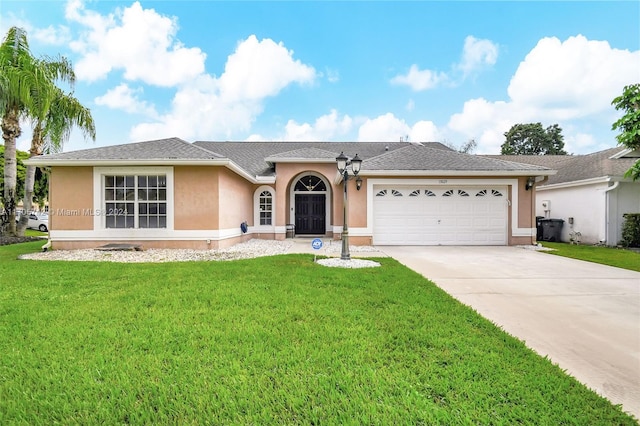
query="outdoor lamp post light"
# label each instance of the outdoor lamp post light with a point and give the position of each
(355, 163)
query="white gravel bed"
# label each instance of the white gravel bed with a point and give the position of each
(353, 263)
(250, 249)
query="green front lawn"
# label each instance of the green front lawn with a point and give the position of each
(34, 233)
(611, 256)
(277, 340)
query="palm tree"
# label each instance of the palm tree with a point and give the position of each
(52, 127)
(27, 87)
(16, 80)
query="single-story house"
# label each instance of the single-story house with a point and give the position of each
(589, 192)
(172, 193)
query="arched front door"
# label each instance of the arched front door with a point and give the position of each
(310, 194)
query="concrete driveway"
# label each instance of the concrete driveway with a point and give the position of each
(585, 317)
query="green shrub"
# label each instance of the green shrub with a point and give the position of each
(631, 230)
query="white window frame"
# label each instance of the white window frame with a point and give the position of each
(256, 209)
(99, 203)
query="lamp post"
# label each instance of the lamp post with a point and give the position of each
(355, 163)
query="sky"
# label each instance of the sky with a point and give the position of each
(416, 71)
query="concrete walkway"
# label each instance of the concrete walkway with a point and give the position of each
(585, 317)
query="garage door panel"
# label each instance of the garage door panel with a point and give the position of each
(449, 216)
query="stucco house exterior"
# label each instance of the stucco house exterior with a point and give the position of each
(589, 192)
(172, 193)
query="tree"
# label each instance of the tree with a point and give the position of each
(16, 80)
(532, 139)
(629, 123)
(466, 148)
(41, 184)
(27, 89)
(20, 169)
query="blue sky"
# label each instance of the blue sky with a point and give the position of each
(337, 71)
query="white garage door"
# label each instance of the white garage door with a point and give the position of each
(440, 216)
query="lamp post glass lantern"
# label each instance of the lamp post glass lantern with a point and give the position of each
(343, 162)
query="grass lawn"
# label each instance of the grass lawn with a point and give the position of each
(611, 256)
(277, 340)
(34, 233)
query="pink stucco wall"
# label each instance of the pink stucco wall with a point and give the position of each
(216, 198)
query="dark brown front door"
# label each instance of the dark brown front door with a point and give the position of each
(310, 214)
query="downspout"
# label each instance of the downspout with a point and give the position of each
(534, 237)
(47, 246)
(606, 211)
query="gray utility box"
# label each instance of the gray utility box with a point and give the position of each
(551, 229)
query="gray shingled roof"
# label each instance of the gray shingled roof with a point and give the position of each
(429, 159)
(161, 149)
(258, 158)
(431, 156)
(577, 167)
(303, 153)
(251, 155)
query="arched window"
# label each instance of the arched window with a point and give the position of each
(266, 208)
(310, 183)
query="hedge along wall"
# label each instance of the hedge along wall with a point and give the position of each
(631, 230)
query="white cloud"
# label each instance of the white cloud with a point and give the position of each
(210, 107)
(198, 111)
(124, 98)
(477, 54)
(258, 69)
(558, 82)
(389, 128)
(420, 80)
(573, 78)
(57, 36)
(384, 128)
(325, 128)
(424, 131)
(139, 41)
(51, 35)
(143, 45)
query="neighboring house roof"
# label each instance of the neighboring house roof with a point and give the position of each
(573, 168)
(258, 160)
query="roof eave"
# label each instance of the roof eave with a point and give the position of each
(457, 172)
(583, 182)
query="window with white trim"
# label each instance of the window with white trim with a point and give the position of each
(135, 201)
(266, 208)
